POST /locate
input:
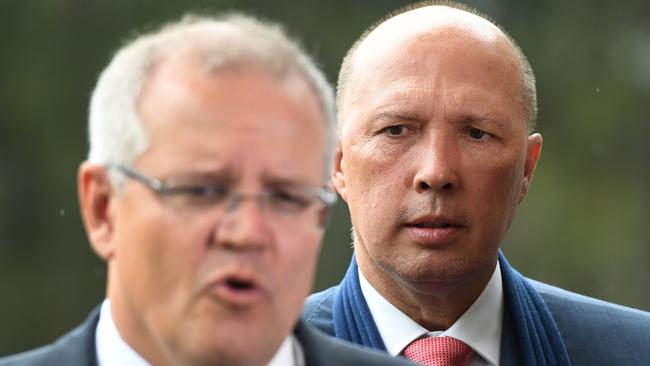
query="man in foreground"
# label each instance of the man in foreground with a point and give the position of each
(206, 192)
(436, 112)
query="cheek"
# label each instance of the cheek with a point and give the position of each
(299, 255)
(159, 257)
(374, 177)
(498, 184)
(377, 180)
(295, 267)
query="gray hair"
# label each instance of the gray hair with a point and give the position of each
(116, 133)
(529, 90)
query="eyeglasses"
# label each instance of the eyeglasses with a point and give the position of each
(292, 203)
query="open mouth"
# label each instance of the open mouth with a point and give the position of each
(237, 284)
(238, 290)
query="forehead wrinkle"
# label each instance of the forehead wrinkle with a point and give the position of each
(396, 90)
(398, 115)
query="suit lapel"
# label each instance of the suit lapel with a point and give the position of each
(77, 348)
(309, 343)
(508, 354)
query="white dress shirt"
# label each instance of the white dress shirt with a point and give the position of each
(112, 350)
(479, 327)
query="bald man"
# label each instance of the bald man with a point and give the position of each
(437, 109)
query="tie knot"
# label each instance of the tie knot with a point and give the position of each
(439, 351)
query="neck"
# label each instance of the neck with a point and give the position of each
(131, 327)
(434, 304)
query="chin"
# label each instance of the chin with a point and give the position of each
(243, 359)
(228, 341)
(433, 269)
(232, 352)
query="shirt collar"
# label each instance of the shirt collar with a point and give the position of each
(290, 353)
(479, 327)
(113, 350)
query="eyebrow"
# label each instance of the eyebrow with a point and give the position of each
(283, 182)
(469, 118)
(411, 117)
(222, 176)
(399, 116)
(477, 118)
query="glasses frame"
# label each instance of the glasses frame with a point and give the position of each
(168, 188)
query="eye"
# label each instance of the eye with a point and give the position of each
(208, 190)
(396, 130)
(283, 200)
(203, 194)
(477, 134)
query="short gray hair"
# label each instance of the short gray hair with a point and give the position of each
(116, 133)
(529, 90)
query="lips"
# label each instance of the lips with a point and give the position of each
(237, 288)
(435, 225)
(435, 230)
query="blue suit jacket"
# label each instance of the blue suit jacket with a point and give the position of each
(77, 348)
(595, 332)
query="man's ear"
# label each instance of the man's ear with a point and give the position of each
(338, 177)
(534, 149)
(95, 196)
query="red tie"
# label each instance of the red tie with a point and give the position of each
(439, 351)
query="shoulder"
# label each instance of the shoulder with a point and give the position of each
(317, 310)
(34, 357)
(76, 348)
(573, 307)
(321, 349)
(598, 329)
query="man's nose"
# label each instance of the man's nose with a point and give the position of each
(244, 226)
(438, 159)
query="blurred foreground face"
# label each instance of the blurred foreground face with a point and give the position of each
(196, 280)
(435, 151)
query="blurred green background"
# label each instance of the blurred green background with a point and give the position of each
(585, 225)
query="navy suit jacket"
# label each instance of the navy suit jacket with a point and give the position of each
(77, 348)
(595, 332)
